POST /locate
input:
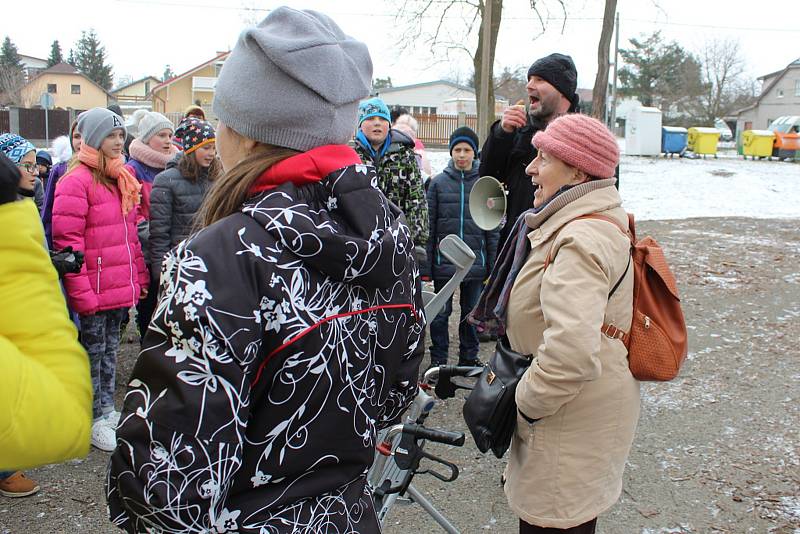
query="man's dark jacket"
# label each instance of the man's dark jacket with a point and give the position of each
(505, 156)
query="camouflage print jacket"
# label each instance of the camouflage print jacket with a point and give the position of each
(400, 180)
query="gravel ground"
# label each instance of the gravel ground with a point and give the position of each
(717, 450)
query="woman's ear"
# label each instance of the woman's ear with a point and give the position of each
(248, 144)
(579, 177)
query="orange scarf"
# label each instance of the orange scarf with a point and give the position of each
(128, 185)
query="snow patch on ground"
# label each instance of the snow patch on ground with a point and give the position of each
(677, 188)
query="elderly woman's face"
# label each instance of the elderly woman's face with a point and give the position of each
(551, 174)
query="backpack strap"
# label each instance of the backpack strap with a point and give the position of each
(621, 278)
(628, 233)
(608, 329)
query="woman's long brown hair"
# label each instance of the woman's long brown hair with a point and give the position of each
(229, 192)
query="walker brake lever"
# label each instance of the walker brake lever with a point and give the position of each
(444, 478)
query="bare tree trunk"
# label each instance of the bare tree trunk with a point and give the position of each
(477, 62)
(600, 91)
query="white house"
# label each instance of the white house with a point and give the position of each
(432, 98)
(32, 66)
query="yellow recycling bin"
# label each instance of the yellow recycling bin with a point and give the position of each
(703, 140)
(757, 143)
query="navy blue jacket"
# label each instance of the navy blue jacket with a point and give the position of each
(448, 212)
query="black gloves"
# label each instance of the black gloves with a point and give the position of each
(67, 261)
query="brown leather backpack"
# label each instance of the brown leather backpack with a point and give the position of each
(657, 343)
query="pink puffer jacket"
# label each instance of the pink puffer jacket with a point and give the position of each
(88, 216)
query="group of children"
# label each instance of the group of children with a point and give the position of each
(119, 214)
(122, 204)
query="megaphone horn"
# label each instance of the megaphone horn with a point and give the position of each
(487, 202)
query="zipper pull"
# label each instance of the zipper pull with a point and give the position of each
(99, 270)
(646, 321)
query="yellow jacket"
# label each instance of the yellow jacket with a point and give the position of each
(45, 388)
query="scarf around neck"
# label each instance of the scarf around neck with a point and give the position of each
(489, 314)
(150, 156)
(376, 155)
(127, 184)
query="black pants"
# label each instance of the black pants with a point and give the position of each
(586, 528)
(146, 307)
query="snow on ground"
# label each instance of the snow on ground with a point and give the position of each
(678, 188)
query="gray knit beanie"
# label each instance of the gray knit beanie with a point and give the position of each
(150, 123)
(96, 124)
(294, 81)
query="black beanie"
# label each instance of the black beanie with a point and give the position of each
(559, 71)
(464, 134)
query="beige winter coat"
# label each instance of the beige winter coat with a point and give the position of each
(566, 468)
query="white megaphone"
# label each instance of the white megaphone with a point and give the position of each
(487, 202)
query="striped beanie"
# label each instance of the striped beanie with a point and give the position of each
(582, 142)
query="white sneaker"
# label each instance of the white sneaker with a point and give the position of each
(112, 418)
(104, 437)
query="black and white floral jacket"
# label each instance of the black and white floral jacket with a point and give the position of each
(285, 336)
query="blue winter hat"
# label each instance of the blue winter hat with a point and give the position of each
(15, 146)
(374, 107)
(43, 157)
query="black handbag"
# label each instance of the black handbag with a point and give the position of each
(490, 410)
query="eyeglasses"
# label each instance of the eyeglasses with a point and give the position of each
(30, 168)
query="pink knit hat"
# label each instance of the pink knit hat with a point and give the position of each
(581, 142)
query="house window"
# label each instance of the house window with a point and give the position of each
(780, 93)
(797, 88)
(146, 88)
(75, 89)
(433, 111)
(51, 88)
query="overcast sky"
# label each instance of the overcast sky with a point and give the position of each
(142, 36)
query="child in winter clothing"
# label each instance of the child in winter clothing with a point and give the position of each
(64, 148)
(178, 192)
(45, 162)
(45, 390)
(150, 152)
(95, 211)
(289, 328)
(392, 154)
(23, 154)
(448, 209)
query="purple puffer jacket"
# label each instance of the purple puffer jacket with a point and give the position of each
(58, 170)
(88, 216)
